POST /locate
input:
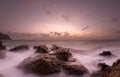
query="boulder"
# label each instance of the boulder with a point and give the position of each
(1, 46)
(64, 55)
(20, 48)
(4, 37)
(75, 69)
(41, 49)
(106, 53)
(41, 64)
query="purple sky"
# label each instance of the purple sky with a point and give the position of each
(83, 18)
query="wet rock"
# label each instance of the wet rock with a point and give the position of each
(106, 53)
(64, 55)
(20, 48)
(41, 64)
(1, 46)
(75, 69)
(41, 49)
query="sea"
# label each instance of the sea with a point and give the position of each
(85, 51)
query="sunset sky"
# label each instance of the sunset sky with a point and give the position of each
(74, 18)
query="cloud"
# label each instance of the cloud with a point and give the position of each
(84, 28)
(59, 34)
(114, 20)
(66, 18)
(117, 31)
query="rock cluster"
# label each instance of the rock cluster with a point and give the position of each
(46, 64)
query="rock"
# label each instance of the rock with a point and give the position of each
(103, 65)
(1, 46)
(20, 48)
(106, 53)
(55, 47)
(4, 37)
(64, 55)
(111, 71)
(2, 75)
(2, 54)
(41, 64)
(41, 49)
(75, 69)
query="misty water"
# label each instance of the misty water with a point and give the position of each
(86, 53)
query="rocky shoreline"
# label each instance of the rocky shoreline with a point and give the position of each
(53, 60)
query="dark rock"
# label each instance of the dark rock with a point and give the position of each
(106, 53)
(64, 55)
(2, 75)
(103, 65)
(41, 49)
(1, 46)
(55, 47)
(2, 54)
(75, 69)
(4, 37)
(19, 48)
(41, 64)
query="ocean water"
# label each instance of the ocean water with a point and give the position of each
(86, 53)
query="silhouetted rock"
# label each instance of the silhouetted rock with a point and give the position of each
(41, 49)
(111, 71)
(75, 69)
(1, 46)
(19, 48)
(41, 64)
(4, 37)
(64, 54)
(106, 53)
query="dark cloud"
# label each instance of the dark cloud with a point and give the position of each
(84, 28)
(114, 20)
(117, 31)
(66, 18)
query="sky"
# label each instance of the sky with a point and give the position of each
(81, 19)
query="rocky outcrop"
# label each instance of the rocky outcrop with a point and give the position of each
(111, 71)
(20, 48)
(106, 53)
(41, 49)
(1, 46)
(4, 37)
(46, 65)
